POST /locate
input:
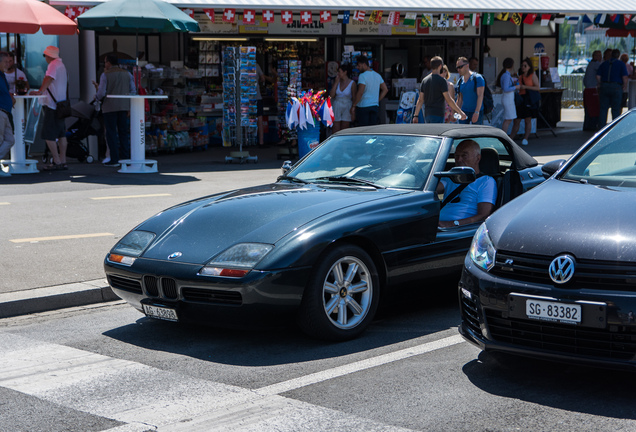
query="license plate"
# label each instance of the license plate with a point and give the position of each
(160, 313)
(553, 311)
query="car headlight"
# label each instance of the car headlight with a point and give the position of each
(130, 247)
(236, 261)
(482, 251)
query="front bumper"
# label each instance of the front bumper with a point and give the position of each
(490, 321)
(231, 302)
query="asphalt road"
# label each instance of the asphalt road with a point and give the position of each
(109, 368)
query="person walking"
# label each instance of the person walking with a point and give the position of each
(115, 81)
(528, 82)
(371, 90)
(590, 93)
(54, 87)
(612, 80)
(434, 96)
(471, 93)
(509, 86)
(448, 113)
(6, 105)
(341, 93)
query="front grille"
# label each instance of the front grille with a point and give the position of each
(125, 284)
(470, 314)
(563, 338)
(169, 288)
(591, 274)
(212, 296)
(152, 288)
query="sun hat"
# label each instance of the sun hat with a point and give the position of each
(51, 51)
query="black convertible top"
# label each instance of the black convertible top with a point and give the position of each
(521, 159)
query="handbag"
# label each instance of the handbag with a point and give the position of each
(62, 108)
(518, 99)
(534, 99)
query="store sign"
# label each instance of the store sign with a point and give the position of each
(258, 27)
(218, 26)
(297, 28)
(465, 30)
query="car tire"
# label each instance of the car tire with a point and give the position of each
(342, 295)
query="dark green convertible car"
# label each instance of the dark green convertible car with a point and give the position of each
(325, 243)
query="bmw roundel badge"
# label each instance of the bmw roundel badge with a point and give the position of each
(174, 255)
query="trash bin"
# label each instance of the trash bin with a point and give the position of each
(308, 139)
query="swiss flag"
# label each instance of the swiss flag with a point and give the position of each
(188, 12)
(268, 16)
(249, 16)
(305, 17)
(209, 13)
(359, 15)
(71, 12)
(229, 15)
(286, 17)
(530, 19)
(325, 16)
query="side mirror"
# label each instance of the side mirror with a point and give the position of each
(287, 165)
(551, 167)
(459, 175)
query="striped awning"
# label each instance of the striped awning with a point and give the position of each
(573, 7)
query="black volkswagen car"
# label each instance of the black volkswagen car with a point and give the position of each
(553, 274)
(325, 242)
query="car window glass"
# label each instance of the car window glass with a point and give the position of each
(484, 142)
(400, 161)
(611, 160)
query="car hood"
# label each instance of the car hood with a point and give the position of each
(588, 221)
(264, 214)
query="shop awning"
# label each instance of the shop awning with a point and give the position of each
(440, 6)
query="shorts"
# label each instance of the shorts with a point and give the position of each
(52, 127)
(342, 109)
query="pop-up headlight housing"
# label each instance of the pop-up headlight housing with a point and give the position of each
(236, 261)
(129, 248)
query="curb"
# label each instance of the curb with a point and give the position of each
(56, 297)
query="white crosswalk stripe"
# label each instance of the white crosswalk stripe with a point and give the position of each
(155, 399)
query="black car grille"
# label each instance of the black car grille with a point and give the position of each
(125, 284)
(563, 338)
(212, 296)
(169, 288)
(591, 274)
(152, 288)
(470, 314)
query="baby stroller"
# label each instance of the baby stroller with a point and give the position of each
(86, 124)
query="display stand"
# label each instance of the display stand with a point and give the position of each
(19, 164)
(137, 164)
(239, 105)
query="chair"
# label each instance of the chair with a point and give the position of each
(489, 165)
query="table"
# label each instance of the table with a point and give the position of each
(19, 164)
(138, 163)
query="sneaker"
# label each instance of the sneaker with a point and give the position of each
(4, 174)
(106, 160)
(111, 164)
(524, 142)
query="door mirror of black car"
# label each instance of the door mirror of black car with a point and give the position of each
(551, 167)
(459, 175)
(287, 165)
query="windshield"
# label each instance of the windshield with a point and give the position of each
(397, 161)
(611, 161)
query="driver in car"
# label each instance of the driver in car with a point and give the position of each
(476, 200)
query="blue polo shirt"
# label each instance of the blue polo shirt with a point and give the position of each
(614, 74)
(5, 97)
(469, 92)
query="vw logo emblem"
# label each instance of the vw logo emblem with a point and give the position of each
(174, 255)
(561, 269)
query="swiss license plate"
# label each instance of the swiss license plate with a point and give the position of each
(553, 311)
(160, 313)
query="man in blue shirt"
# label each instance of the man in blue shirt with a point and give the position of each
(371, 89)
(6, 119)
(612, 80)
(477, 200)
(471, 93)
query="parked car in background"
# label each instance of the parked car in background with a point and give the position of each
(553, 274)
(324, 243)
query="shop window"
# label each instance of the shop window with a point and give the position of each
(536, 29)
(504, 28)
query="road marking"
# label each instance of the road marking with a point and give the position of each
(4, 203)
(65, 237)
(131, 196)
(358, 366)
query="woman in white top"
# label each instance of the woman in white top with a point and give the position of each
(509, 85)
(342, 92)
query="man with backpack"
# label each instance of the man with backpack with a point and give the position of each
(470, 90)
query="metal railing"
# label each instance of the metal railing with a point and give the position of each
(572, 86)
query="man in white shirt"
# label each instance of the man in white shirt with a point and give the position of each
(54, 87)
(477, 200)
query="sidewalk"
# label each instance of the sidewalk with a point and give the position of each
(199, 165)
